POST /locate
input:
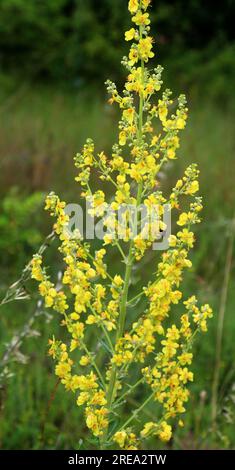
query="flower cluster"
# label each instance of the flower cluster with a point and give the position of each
(107, 337)
(126, 440)
(90, 394)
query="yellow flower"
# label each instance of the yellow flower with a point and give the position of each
(116, 286)
(185, 375)
(165, 432)
(185, 358)
(183, 219)
(74, 316)
(96, 420)
(133, 5)
(192, 188)
(84, 361)
(186, 237)
(118, 281)
(154, 140)
(141, 19)
(122, 138)
(36, 270)
(120, 438)
(107, 239)
(91, 319)
(98, 399)
(82, 398)
(148, 427)
(162, 110)
(171, 154)
(121, 179)
(172, 240)
(133, 58)
(99, 263)
(97, 203)
(126, 440)
(200, 316)
(145, 3)
(62, 369)
(145, 48)
(181, 122)
(128, 114)
(129, 35)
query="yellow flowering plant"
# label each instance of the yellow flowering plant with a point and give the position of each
(109, 343)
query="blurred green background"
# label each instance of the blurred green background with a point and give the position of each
(54, 58)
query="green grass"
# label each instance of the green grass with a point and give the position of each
(41, 130)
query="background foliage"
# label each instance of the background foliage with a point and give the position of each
(54, 58)
(77, 41)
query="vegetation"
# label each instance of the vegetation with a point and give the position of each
(69, 52)
(38, 159)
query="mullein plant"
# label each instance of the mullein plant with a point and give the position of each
(150, 354)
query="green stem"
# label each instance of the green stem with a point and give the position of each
(129, 263)
(121, 250)
(94, 364)
(130, 260)
(130, 390)
(103, 329)
(136, 297)
(121, 323)
(136, 412)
